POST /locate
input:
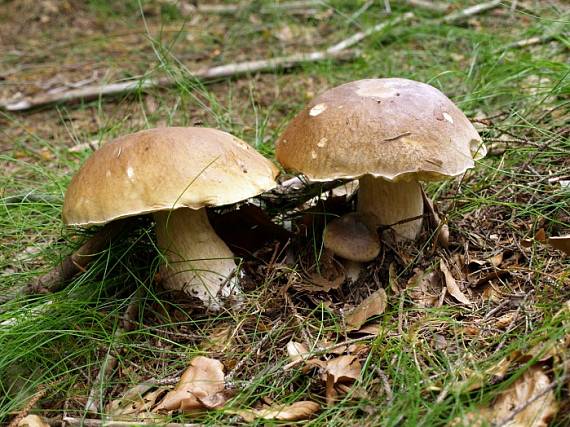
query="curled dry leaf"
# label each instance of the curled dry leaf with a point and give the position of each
(528, 402)
(302, 410)
(374, 305)
(340, 370)
(452, 286)
(32, 421)
(201, 387)
(562, 243)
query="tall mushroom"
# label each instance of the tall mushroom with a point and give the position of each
(390, 133)
(173, 173)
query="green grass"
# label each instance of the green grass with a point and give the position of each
(61, 346)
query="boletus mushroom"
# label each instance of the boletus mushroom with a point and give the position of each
(174, 174)
(390, 134)
(350, 238)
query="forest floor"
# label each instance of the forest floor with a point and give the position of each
(479, 329)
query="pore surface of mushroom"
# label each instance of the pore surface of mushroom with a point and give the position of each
(173, 173)
(390, 133)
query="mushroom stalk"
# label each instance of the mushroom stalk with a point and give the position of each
(199, 263)
(385, 203)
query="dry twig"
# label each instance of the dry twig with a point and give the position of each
(429, 5)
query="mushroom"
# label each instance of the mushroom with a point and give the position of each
(173, 173)
(390, 134)
(350, 238)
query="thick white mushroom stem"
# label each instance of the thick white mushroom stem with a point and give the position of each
(384, 203)
(199, 263)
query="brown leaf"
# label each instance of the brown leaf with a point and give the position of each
(562, 243)
(424, 288)
(302, 410)
(343, 368)
(452, 286)
(201, 387)
(528, 402)
(374, 305)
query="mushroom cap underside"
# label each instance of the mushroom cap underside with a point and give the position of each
(390, 128)
(163, 169)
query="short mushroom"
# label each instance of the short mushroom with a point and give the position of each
(173, 173)
(390, 134)
(350, 238)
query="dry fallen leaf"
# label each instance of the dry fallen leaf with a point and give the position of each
(302, 410)
(201, 387)
(452, 286)
(343, 369)
(424, 288)
(528, 402)
(32, 421)
(296, 351)
(562, 243)
(374, 305)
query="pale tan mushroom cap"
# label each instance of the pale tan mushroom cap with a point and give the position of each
(350, 238)
(390, 128)
(165, 168)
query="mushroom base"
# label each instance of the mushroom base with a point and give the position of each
(385, 203)
(199, 263)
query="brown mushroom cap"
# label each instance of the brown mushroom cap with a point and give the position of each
(165, 168)
(390, 128)
(350, 238)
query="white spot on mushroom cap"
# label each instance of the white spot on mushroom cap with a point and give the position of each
(447, 117)
(322, 142)
(317, 109)
(130, 172)
(313, 154)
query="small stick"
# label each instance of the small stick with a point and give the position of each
(93, 404)
(288, 6)
(470, 11)
(532, 41)
(54, 280)
(429, 5)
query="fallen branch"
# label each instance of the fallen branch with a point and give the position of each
(429, 5)
(470, 11)
(95, 399)
(288, 7)
(223, 71)
(532, 41)
(54, 280)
